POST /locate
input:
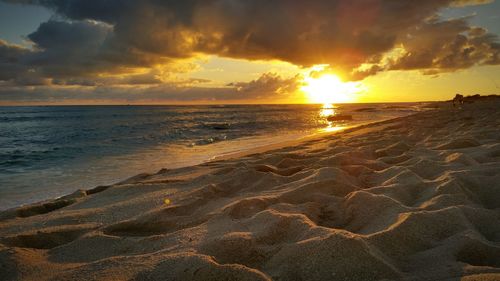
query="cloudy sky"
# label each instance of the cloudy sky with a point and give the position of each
(240, 51)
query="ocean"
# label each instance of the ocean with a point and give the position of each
(50, 151)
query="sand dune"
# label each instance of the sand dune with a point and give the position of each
(414, 198)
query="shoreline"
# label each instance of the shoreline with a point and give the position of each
(195, 162)
(210, 153)
(409, 198)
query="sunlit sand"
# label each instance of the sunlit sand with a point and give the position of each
(413, 198)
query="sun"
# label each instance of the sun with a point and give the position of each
(328, 88)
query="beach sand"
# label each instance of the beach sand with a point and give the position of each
(413, 198)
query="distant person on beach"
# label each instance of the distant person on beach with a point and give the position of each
(459, 99)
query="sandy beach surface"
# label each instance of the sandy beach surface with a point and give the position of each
(413, 198)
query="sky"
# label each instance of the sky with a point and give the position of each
(239, 51)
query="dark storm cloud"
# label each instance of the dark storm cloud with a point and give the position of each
(69, 48)
(10, 60)
(73, 53)
(92, 37)
(448, 46)
(442, 46)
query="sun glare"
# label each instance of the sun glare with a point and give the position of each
(328, 88)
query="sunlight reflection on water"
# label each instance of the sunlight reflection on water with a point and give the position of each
(327, 110)
(333, 128)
